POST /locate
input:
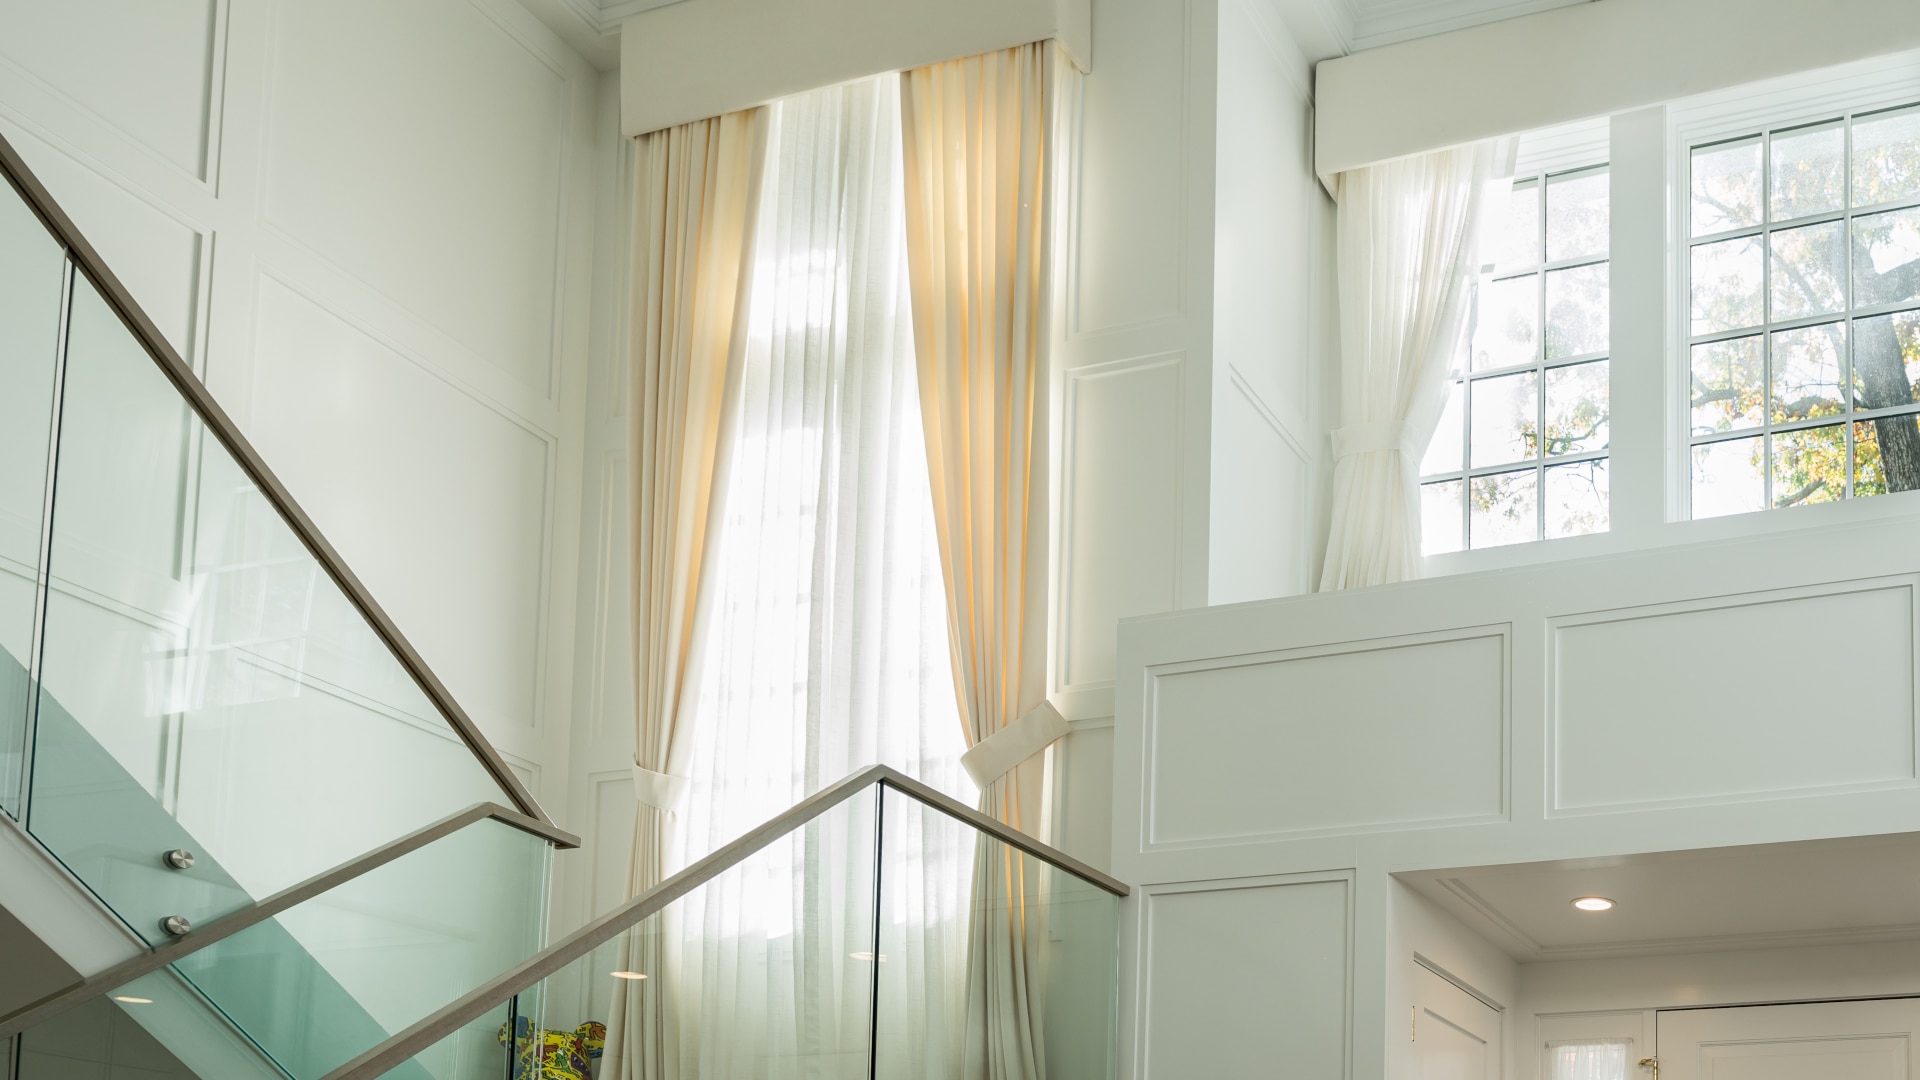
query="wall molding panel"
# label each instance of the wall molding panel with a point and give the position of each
(1387, 734)
(1624, 680)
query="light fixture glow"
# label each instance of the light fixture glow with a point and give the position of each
(1593, 903)
(626, 975)
(132, 1000)
(867, 956)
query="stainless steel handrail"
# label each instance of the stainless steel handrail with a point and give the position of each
(410, 1043)
(176, 369)
(181, 947)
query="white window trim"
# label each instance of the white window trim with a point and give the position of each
(1649, 471)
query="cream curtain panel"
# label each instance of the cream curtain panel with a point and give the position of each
(1406, 240)
(976, 133)
(695, 188)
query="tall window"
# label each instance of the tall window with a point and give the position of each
(1521, 449)
(1804, 314)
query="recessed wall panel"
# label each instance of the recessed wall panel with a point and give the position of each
(144, 67)
(1743, 697)
(1245, 981)
(437, 500)
(1395, 733)
(419, 146)
(1120, 506)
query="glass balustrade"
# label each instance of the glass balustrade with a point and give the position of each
(885, 938)
(178, 671)
(323, 981)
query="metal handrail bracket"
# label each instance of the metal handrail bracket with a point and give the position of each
(408, 1044)
(181, 947)
(177, 371)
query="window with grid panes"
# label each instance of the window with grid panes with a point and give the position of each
(1804, 314)
(1520, 452)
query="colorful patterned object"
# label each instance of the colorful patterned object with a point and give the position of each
(562, 1055)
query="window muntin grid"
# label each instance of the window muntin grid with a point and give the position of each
(1803, 307)
(1536, 363)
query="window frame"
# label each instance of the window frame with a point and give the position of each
(1541, 157)
(1806, 99)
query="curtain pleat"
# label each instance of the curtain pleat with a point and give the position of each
(695, 186)
(1405, 246)
(976, 179)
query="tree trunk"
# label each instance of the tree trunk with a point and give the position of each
(1882, 379)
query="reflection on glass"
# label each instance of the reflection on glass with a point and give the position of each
(1806, 372)
(1576, 499)
(1578, 215)
(1728, 385)
(1729, 478)
(1726, 285)
(1809, 171)
(1441, 519)
(1449, 435)
(1513, 234)
(31, 268)
(1504, 418)
(1507, 324)
(1886, 454)
(376, 954)
(246, 705)
(1886, 157)
(1504, 509)
(1577, 311)
(1577, 408)
(1886, 360)
(1725, 187)
(1886, 258)
(1809, 465)
(1809, 270)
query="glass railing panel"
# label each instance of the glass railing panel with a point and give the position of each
(324, 981)
(156, 1026)
(765, 971)
(227, 678)
(32, 268)
(988, 957)
(338, 974)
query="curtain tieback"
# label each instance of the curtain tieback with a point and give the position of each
(1371, 439)
(662, 791)
(995, 756)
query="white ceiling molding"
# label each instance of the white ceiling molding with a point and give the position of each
(592, 27)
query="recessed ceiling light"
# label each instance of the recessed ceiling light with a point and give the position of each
(1593, 903)
(132, 1000)
(626, 975)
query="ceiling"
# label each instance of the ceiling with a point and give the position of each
(1817, 891)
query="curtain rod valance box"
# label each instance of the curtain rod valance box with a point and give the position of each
(1575, 63)
(689, 61)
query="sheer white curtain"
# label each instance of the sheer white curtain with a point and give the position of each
(1406, 242)
(825, 645)
(1589, 1061)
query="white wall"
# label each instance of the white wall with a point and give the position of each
(1662, 700)
(1188, 356)
(370, 225)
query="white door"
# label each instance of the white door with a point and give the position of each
(1832, 1040)
(1456, 1036)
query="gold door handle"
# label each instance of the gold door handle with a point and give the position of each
(1653, 1064)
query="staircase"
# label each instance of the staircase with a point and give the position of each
(293, 854)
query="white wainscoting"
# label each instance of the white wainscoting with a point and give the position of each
(1731, 698)
(370, 225)
(1242, 978)
(1355, 737)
